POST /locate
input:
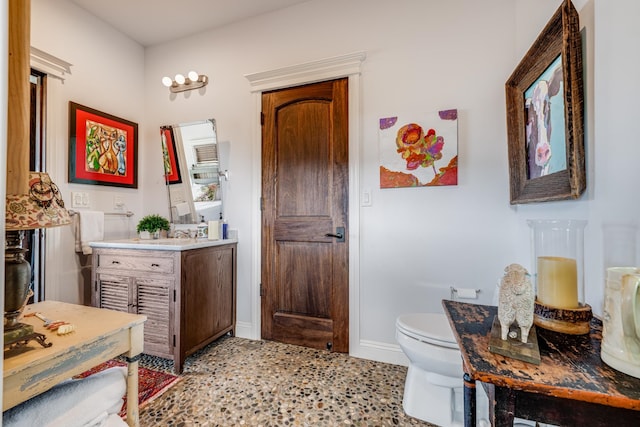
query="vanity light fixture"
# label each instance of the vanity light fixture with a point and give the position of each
(181, 83)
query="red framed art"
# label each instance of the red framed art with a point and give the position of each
(102, 148)
(171, 169)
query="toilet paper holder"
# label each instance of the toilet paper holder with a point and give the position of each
(464, 293)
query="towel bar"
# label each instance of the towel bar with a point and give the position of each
(127, 213)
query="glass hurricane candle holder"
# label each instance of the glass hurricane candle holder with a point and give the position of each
(558, 275)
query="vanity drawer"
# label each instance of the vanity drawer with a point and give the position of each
(151, 264)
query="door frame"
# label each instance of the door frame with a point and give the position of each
(348, 65)
(57, 70)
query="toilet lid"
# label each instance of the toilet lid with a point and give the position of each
(428, 327)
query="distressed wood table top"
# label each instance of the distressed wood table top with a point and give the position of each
(99, 335)
(570, 366)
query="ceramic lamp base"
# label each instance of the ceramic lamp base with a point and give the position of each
(564, 320)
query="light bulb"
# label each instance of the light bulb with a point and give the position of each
(179, 79)
(167, 81)
(193, 76)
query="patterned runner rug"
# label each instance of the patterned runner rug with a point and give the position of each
(151, 384)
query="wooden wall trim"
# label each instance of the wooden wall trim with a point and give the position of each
(18, 97)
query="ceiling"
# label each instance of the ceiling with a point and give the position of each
(151, 22)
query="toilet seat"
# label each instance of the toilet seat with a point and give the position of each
(431, 328)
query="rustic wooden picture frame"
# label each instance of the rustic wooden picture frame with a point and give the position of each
(560, 38)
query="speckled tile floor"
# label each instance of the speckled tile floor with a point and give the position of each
(240, 382)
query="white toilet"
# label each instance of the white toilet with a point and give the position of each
(433, 388)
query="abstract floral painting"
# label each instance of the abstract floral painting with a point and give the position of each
(419, 150)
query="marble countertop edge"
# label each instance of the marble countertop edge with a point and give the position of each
(169, 244)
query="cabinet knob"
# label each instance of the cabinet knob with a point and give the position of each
(155, 265)
(115, 262)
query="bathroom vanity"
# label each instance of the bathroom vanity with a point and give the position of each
(185, 287)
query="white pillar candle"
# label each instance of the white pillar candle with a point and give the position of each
(557, 282)
(214, 230)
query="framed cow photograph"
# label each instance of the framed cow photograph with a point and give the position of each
(545, 128)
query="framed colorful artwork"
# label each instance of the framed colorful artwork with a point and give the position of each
(102, 148)
(419, 150)
(171, 169)
(544, 98)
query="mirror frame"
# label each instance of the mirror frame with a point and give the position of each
(179, 183)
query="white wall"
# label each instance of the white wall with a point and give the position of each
(422, 55)
(615, 152)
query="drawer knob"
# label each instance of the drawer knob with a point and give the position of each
(155, 265)
(115, 262)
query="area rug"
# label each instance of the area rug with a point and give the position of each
(151, 384)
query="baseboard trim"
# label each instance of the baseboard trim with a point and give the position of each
(380, 352)
(245, 330)
(366, 349)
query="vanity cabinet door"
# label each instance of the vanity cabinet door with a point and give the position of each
(154, 299)
(224, 314)
(208, 293)
(149, 296)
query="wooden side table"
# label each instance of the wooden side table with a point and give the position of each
(572, 386)
(99, 336)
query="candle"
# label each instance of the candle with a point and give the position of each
(557, 282)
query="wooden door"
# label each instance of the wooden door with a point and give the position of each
(305, 290)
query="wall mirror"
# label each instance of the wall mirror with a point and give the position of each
(193, 172)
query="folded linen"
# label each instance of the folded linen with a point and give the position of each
(73, 403)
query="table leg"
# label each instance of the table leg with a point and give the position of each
(136, 344)
(505, 407)
(133, 419)
(469, 401)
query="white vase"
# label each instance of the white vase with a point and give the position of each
(145, 235)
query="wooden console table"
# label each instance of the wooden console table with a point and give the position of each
(572, 386)
(99, 336)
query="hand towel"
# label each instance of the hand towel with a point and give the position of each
(183, 209)
(89, 228)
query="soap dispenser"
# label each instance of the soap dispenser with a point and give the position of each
(203, 231)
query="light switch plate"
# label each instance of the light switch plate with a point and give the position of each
(365, 200)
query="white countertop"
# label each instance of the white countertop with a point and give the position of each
(161, 244)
